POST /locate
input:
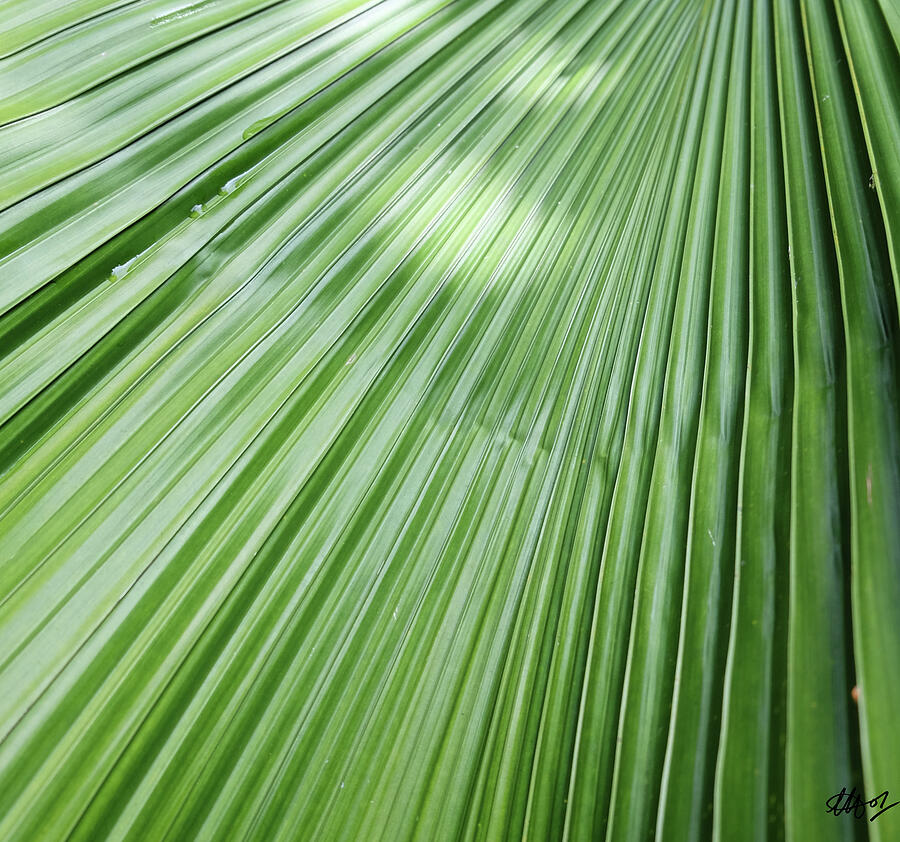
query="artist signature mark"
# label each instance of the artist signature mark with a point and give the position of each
(844, 802)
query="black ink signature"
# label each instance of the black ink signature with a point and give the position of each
(856, 805)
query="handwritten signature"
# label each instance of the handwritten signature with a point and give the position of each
(844, 802)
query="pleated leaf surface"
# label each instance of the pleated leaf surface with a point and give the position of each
(449, 420)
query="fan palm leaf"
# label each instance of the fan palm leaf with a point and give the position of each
(449, 419)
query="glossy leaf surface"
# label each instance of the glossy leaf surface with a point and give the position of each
(449, 420)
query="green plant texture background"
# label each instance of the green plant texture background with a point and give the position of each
(449, 420)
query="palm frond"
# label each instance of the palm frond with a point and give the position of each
(451, 419)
